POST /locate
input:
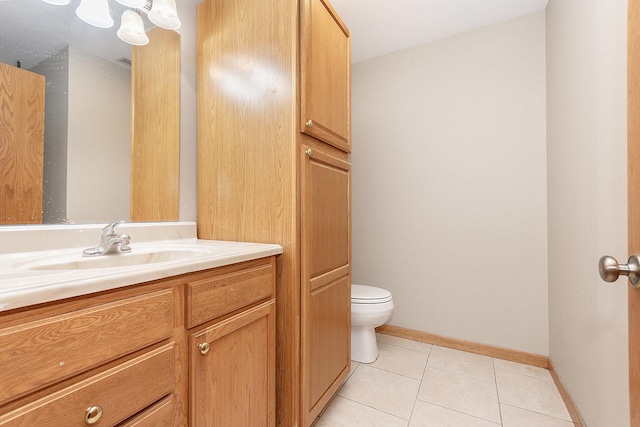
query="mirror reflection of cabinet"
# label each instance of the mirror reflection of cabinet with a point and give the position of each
(22, 95)
(155, 137)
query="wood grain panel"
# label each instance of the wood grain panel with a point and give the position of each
(633, 177)
(121, 392)
(55, 348)
(155, 139)
(158, 415)
(326, 341)
(233, 384)
(326, 278)
(247, 151)
(230, 290)
(22, 96)
(325, 74)
(326, 215)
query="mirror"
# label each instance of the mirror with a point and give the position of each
(88, 128)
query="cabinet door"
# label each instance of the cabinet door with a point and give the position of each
(232, 375)
(325, 74)
(21, 145)
(326, 278)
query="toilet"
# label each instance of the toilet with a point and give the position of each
(370, 308)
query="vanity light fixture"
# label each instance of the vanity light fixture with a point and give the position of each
(132, 29)
(95, 12)
(162, 13)
(139, 4)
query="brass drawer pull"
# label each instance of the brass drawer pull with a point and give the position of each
(204, 348)
(309, 124)
(93, 414)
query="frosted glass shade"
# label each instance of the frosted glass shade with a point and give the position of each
(132, 29)
(164, 14)
(58, 2)
(95, 12)
(133, 3)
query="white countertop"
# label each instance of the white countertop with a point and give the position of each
(25, 249)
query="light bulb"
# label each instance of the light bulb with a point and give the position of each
(133, 3)
(132, 29)
(163, 13)
(95, 12)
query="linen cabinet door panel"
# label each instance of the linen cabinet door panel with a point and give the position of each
(329, 318)
(233, 371)
(326, 278)
(326, 213)
(325, 74)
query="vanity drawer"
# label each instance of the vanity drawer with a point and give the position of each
(230, 289)
(159, 415)
(115, 394)
(48, 350)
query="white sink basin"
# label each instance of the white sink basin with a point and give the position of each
(149, 255)
(39, 264)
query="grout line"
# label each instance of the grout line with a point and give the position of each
(495, 380)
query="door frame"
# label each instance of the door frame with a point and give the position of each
(633, 177)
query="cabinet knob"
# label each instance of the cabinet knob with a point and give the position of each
(93, 414)
(204, 348)
(309, 152)
(310, 124)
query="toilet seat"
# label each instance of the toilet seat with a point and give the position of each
(361, 294)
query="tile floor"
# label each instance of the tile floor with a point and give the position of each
(413, 384)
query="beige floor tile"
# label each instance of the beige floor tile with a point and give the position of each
(462, 363)
(461, 393)
(428, 415)
(347, 413)
(405, 343)
(401, 361)
(522, 369)
(534, 394)
(354, 366)
(382, 390)
(517, 417)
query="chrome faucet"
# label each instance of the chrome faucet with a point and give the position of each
(110, 242)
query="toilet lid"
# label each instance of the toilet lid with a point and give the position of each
(361, 294)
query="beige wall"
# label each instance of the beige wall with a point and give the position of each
(586, 75)
(99, 105)
(188, 102)
(449, 184)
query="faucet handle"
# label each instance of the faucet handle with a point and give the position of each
(111, 228)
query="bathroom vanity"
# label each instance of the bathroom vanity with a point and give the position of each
(182, 339)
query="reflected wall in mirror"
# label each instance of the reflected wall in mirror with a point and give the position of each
(86, 159)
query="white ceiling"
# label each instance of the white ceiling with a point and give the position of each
(379, 27)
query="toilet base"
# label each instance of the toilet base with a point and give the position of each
(364, 346)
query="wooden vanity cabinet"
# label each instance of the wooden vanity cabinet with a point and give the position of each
(265, 69)
(233, 371)
(233, 360)
(131, 357)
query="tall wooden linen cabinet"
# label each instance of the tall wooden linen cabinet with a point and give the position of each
(273, 166)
